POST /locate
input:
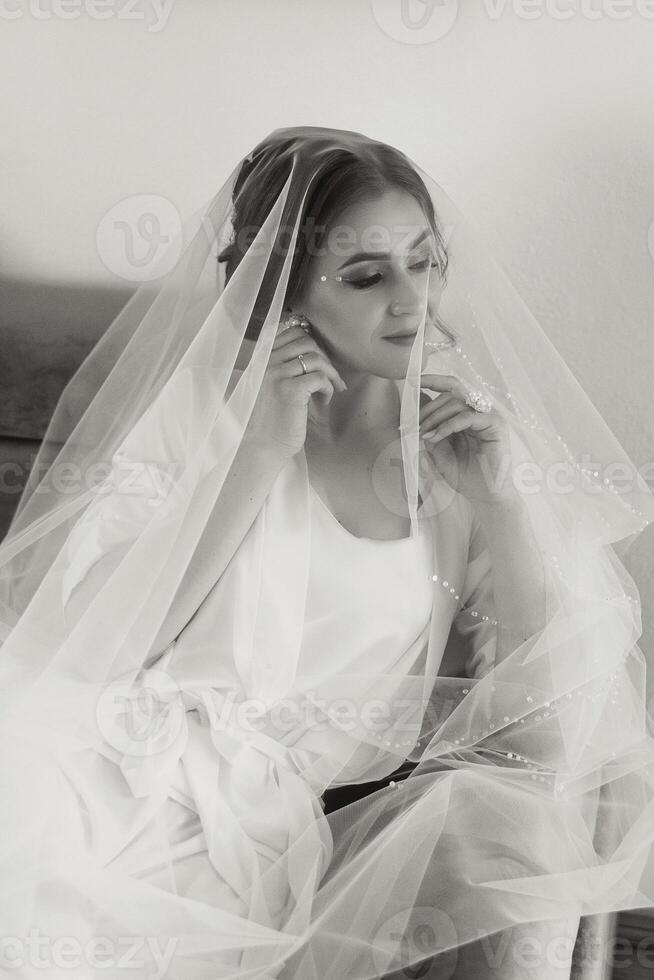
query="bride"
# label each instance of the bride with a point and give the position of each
(330, 539)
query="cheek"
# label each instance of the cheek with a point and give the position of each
(356, 318)
(349, 320)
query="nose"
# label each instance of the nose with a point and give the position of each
(408, 301)
(406, 308)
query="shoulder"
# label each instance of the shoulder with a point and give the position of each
(190, 395)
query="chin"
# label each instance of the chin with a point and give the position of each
(392, 368)
(394, 373)
(398, 365)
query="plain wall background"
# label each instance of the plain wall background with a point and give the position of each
(535, 117)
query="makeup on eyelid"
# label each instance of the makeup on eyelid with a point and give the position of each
(366, 282)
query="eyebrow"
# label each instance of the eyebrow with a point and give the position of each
(367, 256)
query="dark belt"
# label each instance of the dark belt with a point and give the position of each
(340, 796)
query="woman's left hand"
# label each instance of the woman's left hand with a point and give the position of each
(476, 459)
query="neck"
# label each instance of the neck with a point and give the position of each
(369, 405)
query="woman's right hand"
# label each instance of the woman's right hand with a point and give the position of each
(279, 417)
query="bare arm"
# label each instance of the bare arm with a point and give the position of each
(247, 484)
(517, 572)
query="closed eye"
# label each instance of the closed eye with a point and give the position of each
(368, 281)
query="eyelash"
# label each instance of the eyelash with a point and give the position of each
(369, 281)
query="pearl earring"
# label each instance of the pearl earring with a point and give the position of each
(297, 320)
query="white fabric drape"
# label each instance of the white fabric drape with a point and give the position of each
(141, 806)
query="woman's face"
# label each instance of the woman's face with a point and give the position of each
(384, 253)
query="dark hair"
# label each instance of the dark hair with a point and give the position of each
(341, 169)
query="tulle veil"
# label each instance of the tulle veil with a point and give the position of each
(532, 792)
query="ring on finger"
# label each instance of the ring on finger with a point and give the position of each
(300, 358)
(478, 401)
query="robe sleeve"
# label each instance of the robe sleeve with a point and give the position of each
(475, 621)
(143, 471)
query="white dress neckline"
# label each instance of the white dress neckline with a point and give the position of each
(356, 537)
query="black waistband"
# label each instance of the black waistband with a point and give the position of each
(340, 796)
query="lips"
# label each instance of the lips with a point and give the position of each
(403, 339)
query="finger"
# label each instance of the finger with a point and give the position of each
(434, 404)
(295, 346)
(287, 334)
(307, 346)
(315, 360)
(291, 367)
(441, 413)
(463, 420)
(315, 382)
(443, 382)
(293, 341)
(427, 406)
